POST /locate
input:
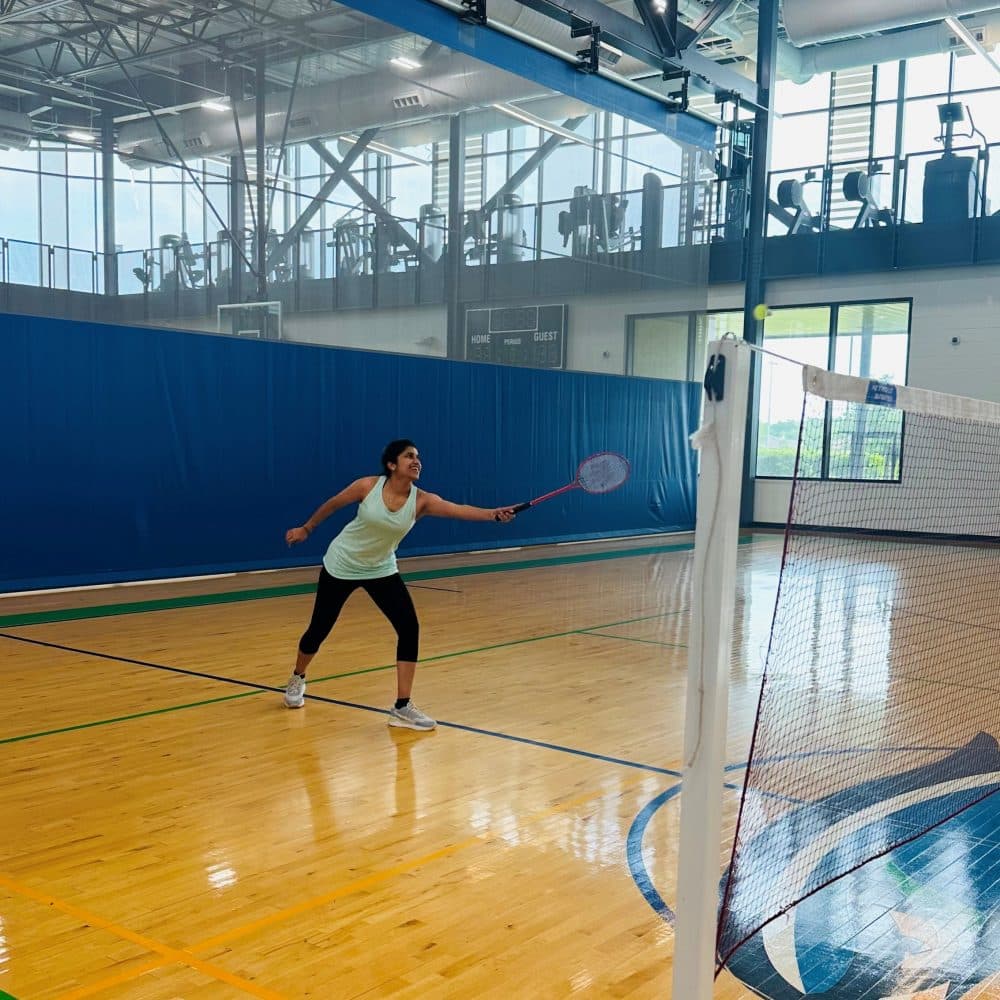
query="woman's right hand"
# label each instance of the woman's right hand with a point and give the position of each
(295, 535)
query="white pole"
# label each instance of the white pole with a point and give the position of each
(720, 484)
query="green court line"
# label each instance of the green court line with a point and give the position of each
(629, 638)
(7, 996)
(124, 718)
(500, 645)
(293, 590)
(315, 680)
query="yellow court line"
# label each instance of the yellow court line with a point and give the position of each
(172, 955)
(187, 956)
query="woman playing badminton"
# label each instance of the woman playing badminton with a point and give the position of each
(364, 555)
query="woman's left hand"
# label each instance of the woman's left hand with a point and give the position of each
(295, 535)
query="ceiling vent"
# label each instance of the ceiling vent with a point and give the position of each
(408, 101)
(984, 34)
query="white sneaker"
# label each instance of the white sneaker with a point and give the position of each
(410, 717)
(295, 692)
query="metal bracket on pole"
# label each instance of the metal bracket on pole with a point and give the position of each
(682, 96)
(475, 12)
(588, 59)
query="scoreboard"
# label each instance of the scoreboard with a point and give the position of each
(529, 336)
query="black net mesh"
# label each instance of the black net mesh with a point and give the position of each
(881, 696)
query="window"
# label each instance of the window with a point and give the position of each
(870, 340)
(802, 335)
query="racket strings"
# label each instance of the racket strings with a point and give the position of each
(603, 473)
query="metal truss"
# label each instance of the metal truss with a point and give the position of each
(660, 41)
(87, 42)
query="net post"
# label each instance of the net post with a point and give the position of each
(720, 484)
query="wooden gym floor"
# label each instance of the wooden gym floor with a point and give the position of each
(169, 830)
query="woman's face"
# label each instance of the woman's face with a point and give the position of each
(407, 464)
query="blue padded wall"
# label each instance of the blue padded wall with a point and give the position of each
(136, 453)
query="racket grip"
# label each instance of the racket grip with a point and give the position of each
(515, 510)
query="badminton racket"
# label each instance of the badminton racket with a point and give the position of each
(600, 473)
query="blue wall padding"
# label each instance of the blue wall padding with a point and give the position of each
(137, 453)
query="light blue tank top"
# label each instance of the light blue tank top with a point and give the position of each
(366, 548)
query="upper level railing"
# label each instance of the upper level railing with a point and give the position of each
(602, 228)
(43, 265)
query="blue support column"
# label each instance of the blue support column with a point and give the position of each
(756, 284)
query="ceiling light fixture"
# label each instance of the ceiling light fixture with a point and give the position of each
(215, 105)
(381, 147)
(530, 119)
(403, 62)
(81, 136)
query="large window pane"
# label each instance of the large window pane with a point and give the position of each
(527, 191)
(54, 210)
(800, 141)
(20, 205)
(132, 229)
(194, 211)
(921, 126)
(84, 231)
(653, 152)
(802, 335)
(981, 111)
(887, 82)
(872, 342)
(167, 212)
(973, 73)
(928, 75)
(81, 162)
(19, 159)
(811, 96)
(410, 185)
(568, 167)
(884, 144)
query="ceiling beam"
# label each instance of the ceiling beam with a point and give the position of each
(634, 39)
(672, 35)
(717, 10)
(440, 21)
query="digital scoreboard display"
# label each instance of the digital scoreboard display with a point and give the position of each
(526, 336)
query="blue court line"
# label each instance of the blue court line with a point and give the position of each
(623, 762)
(633, 852)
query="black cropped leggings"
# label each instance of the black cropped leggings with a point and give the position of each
(391, 598)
